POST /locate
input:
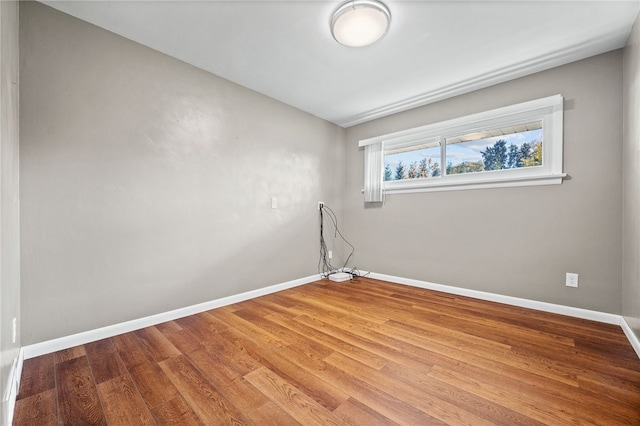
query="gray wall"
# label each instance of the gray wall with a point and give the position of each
(631, 182)
(9, 194)
(513, 241)
(147, 183)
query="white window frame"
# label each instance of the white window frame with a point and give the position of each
(549, 110)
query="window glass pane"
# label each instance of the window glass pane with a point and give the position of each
(420, 163)
(507, 148)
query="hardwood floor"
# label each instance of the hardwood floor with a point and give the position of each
(361, 353)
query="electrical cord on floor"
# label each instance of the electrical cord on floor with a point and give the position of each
(355, 273)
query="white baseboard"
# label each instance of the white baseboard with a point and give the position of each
(13, 386)
(66, 342)
(633, 339)
(37, 349)
(507, 300)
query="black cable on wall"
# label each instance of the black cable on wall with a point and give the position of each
(325, 268)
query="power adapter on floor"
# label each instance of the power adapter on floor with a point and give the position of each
(340, 277)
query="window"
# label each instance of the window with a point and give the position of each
(518, 145)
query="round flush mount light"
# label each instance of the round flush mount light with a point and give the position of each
(359, 23)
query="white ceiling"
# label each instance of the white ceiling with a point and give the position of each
(434, 49)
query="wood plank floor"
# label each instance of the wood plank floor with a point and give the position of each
(361, 353)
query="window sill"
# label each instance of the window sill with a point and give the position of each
(436, 185)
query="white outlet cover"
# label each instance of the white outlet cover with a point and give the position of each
(572, 280)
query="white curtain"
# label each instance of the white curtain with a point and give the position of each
(373, 172)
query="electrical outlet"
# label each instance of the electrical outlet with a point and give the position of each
(320, 204)
(330, 254)
(572, 280)
(274, 203)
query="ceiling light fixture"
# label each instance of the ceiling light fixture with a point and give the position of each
(357, 23)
